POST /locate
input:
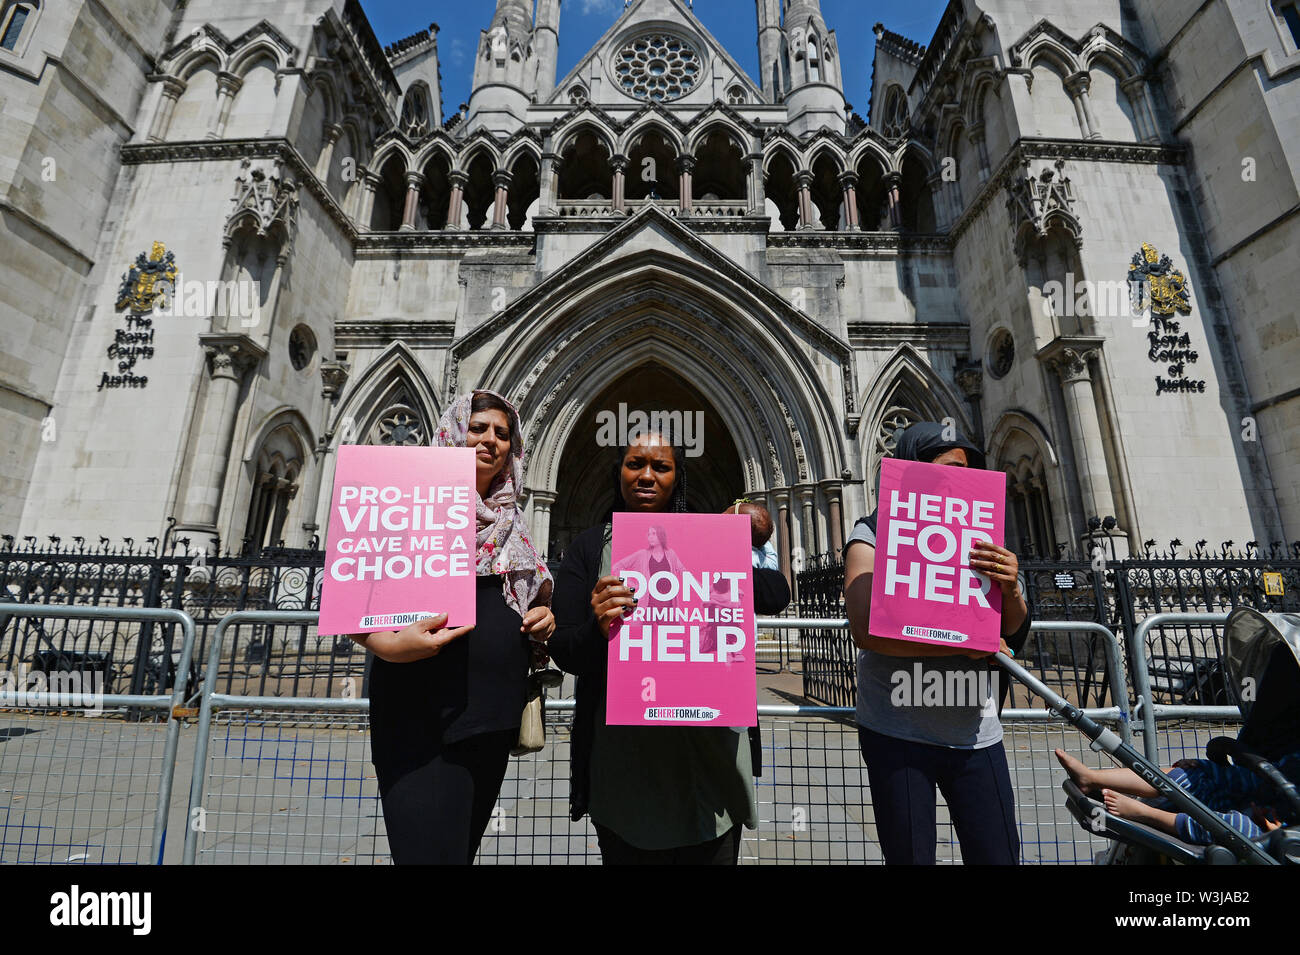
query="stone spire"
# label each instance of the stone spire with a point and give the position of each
(769, 48)
(546, 45)
(816, 96)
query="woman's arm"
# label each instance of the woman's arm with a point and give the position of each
(858, 563)
(577, 646)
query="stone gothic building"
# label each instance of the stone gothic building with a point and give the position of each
(1063, 225)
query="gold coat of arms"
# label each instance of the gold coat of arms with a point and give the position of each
(1153, 281)
(143, 285)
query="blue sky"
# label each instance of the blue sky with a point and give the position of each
(583, 21)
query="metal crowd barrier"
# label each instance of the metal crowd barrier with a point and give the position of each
(111, 763)
(285, 779)
(289, 780)
(1145, 707)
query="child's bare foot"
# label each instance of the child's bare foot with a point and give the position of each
(1126, 807)
(1078, 771)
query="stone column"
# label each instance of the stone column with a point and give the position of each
(332, 133)
(334, 375)
(803, 182)
(540, 524)
(501, 179)
(976, 134)
(849, 182)
(618, 191)
(836, 519)
(229, 358)
(548, 181)
(893, 182)
(414, 181)
(458, 180)
(685, 170)
(970, 378)
(1135, 88)
(939, 198)
(172, 88)
(807, 497)
(782, 498)
(1069, 358)
(1077, 86)
(757, 187)
(366, 203)
(228, 85)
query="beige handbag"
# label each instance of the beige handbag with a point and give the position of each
(532, 728)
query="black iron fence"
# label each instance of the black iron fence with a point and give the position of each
(296, 661)
(1184, 661)
(141, 657)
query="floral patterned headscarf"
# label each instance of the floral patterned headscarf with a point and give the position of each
(504, 547)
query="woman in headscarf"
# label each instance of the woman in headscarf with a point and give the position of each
(446, 704)
(955, 746)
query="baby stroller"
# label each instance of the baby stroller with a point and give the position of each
(1261, 652)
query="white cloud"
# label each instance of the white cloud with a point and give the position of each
(599, 6)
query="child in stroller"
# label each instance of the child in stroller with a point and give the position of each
(1249, 800)
(1241, 798)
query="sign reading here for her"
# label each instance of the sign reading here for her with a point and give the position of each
(923, 588)
(401, 544)
(685, 655)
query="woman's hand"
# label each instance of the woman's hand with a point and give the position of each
(539, 624)
(999, 565)
(421, 640)
(609, 598)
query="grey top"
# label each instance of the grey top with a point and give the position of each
(914, 698)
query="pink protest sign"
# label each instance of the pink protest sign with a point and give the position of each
(922, 587)
(401, 541)
(685, 656)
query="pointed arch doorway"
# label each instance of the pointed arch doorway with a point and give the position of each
(585, 480)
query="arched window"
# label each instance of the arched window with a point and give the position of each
(1030, 526)
(736, 95)
(578, 95)
(416, 114)
(275, 484)
(814, 59)
(17, 21)
(893, 117)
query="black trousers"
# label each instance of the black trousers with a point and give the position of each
(975, 783)
(724, 850)
(437, 805)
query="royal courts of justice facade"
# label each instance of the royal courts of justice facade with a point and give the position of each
(1068, 226)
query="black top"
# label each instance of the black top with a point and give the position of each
(476, 684)
(578, 647)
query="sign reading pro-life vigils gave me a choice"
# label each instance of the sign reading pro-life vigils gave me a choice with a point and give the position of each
(401, 544)
(685, 655)
(923, 588)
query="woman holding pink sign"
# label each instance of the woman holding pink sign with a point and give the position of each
(446, 704)
(656, 795)
(912, 746)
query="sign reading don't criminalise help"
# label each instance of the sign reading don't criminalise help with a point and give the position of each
(685, 655)
(923, 589)
(401, 540)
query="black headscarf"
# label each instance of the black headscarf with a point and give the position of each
(925, 441)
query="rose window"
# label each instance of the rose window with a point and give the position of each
(657, 67)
